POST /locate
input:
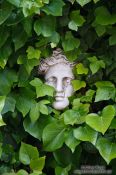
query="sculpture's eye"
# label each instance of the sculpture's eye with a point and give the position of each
(66, 81)
(51, 80)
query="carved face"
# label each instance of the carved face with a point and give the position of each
(59, 76)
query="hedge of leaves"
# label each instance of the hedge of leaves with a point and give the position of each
(35, 138)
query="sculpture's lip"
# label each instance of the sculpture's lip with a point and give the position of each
(59, 98)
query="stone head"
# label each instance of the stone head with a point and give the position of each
(58, 74)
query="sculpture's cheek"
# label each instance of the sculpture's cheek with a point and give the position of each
(68, 91)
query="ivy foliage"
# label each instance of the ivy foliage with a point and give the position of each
(36, 139)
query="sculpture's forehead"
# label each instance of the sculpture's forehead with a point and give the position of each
(59, 70)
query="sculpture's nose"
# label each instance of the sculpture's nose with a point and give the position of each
(59, 86)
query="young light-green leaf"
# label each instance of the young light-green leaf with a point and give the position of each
(37, 165)
(107, 149)
(81, 69)
(78, 84)
(85, 134)
(101, 123)
(71, 141)
(27, 153)
(83, 2)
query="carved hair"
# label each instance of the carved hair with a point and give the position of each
(56, 58)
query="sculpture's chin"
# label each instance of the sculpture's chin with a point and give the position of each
(60, 105)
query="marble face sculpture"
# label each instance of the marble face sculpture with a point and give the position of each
(58, 73)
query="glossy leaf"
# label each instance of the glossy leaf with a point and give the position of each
(37, 164)
(5, 11)
(27, 153)
(4, 34)
(70, 42)
(9, 105)
(2, 103)
(10, 77)
(96, 64)
(54, 8)
(81, 69)
(71, 141)
(14, 2)
(77, 18)
(88, 96)
(77, 84)
(103, 16)
(83, 2)
(72, 117)
(42, 89)
(33, 53)
(45, 26)
(53, 136)
(101, 123)
(85, 134)
(105, 91)
(63, 171)
(107, 149)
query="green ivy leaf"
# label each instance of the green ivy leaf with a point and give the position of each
(5, 11)
(22, 172)
(103, 17)
(53, 136)
(15, 2)
(42, 107)
(78, 84)
(102, 122)
(77, 18)
(82, 108)
(27, 153)
(100, 30)
(28, 64)
(105, 91)
(0, 149)
(33, 128)
(106, 149)
(19, 37)
(36, 128)
(83, 2)
(37, 165)
(88, 96)
(45, 26)
(64, 171)
(81, 69)
(112, 39)
(96, 64)
(42, 89)
(33, 53)
(71, 141)
(72, 25)
(72, 117)
(24, 102)
(85, 134)
(31, 7)
(9, 105)
(96, 1)
(70, 43)
(34, 112)
(55, 38)
(5, 52)
(113, 124)
(4, 34)
(54, 8)
(2, 103)
(7, 78)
